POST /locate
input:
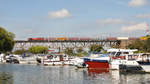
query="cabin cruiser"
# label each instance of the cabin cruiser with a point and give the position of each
(133, 62)
(144, 61)
(120, 57)
(27, 59)
(55, 59)
(80, 62)
(111, 60)
(127, 63)
(100, 62)
(12, 59)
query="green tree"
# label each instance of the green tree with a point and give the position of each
(69, 51)
(79, 50)
(141, 45)
(38, 49)
(6, 40)
(138, 44)
(95, 48)
(21, 51)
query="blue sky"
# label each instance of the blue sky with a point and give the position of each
(86, 18)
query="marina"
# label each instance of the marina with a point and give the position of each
(114, 59)
(75, 42)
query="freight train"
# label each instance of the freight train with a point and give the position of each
(60, 39)
(80, 39)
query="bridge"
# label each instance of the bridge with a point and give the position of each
(63, 44)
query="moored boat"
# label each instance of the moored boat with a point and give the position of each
(100, 62)
(55, 59)
(111, 60)
(144, 61)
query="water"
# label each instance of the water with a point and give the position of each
(32, 74)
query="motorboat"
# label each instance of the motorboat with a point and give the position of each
(81, 62)
(110, 60)
(55, 59)
(144, 61)
(121, 58)
(100, 62)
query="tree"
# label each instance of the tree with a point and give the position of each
(95, 48)
(138, 44)
(6, 40)
(141, 45)
(69, 51)
(21, 51)
(79, 50)
(38, 49)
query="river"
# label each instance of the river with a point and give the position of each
(33, 74)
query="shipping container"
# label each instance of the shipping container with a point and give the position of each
(35, 39)
(61, 38)
(73, 38)
(50, 39)
(85, 39)
(111, 38)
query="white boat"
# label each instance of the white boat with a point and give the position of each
(120, 59)
(133, 62)
(56, 59)
(144, 61)
(80, 62)
(26, 59)
(2, 60)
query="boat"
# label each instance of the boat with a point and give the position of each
(12, 59)
(56, 59)
(79, 62)
(29, 59)
(144, 61)
(134, 62)
(121, 59)
(2, 60)
(100, 62)
(126, 64)
(108, 60)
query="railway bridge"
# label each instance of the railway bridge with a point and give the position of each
(58, 44)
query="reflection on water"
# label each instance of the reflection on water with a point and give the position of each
(6, 78)
(32, 74)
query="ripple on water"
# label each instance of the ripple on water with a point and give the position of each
(33, 74)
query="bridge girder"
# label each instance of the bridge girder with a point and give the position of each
(63, 44)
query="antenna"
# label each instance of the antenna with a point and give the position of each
(147, 30)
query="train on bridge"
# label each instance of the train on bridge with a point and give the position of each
(80, 38)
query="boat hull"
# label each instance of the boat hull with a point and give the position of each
(97, 64)
(145, 66)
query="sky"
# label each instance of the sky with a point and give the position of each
(75, 18)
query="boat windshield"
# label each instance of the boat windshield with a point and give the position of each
(118, 54)
(104, 55)
(112, 53)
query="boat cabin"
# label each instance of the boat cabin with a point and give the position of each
(120, 53)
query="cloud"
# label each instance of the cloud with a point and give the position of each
(112, 21)
(143, 16)
(140, 26)
(63, 13)
(137, 3)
